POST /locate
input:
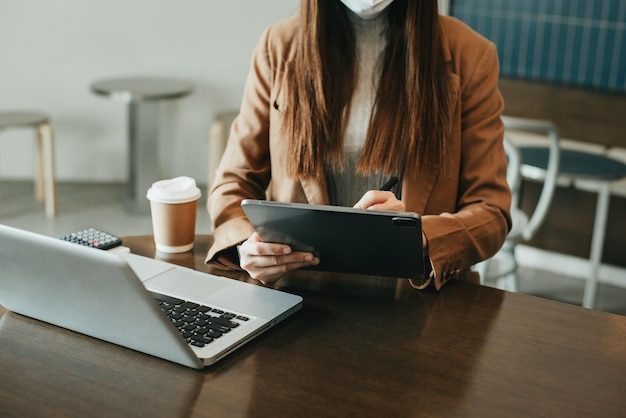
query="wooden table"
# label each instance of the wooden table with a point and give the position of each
(359, 347)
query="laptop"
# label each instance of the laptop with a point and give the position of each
(134, 301)
(347, 240)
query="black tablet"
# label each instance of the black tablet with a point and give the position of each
(347, 240)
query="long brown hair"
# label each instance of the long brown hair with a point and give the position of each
(411, 117)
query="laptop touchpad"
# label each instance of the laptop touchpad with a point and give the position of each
(185, 284)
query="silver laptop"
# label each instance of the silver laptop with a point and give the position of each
(157, 308)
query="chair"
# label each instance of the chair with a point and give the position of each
(45, 187)
(582, 169)
(503, 265)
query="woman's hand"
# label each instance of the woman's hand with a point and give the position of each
(380, 200)
(268, 262)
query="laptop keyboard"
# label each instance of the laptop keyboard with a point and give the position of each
(198, 324)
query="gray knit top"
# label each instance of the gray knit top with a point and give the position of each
(346, 187)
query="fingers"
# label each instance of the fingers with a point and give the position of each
(380, 200)
(268, 262)
(268, 269)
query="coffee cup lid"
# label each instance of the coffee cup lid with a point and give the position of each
(176, 190)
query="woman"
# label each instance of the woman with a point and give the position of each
(348, 93)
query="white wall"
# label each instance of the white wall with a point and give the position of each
(53, 50)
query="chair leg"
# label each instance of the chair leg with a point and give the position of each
(597, 244)
(512, 278)
(512, 281)
(46, 153)
(482, 268)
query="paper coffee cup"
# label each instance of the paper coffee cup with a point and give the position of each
(174, 205)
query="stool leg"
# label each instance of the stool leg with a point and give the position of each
(597, 244)
(217, 143)
(46, 138)
(39, 194)
(143, 160)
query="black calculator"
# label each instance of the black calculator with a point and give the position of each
(94, 238)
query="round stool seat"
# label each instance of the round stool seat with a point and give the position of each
(139, 89)
(21, 119)
(574, 164)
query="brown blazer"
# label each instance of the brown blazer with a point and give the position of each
(465, 208)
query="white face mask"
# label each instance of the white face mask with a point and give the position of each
(367, 9)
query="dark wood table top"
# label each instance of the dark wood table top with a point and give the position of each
(360, 346)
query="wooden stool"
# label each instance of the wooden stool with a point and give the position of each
(44, 175)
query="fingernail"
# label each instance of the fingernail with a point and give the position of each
(286, 250)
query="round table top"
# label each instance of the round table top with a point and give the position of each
(139, 89)
(21, 118)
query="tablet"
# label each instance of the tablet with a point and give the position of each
(347, 240)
